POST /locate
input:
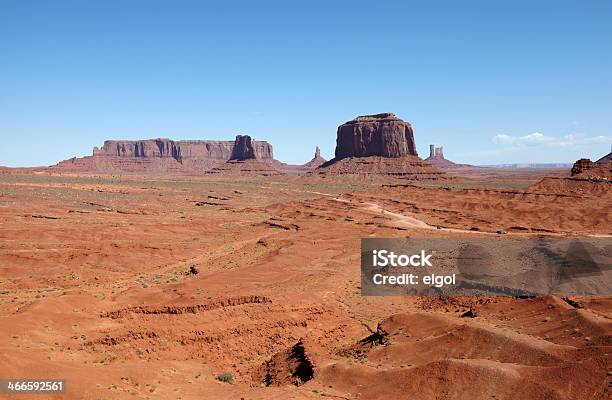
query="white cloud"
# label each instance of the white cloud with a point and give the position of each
(540, 139)
(502, 138)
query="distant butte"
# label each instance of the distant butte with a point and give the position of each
(248, 159)
(379, 144)
(317, 160)
(164, 156)
(383, 135)
(245, 148)
(436, 158)
(600, 169)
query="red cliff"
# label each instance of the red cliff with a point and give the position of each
(383, 135)
(162, 155)
(379, 144)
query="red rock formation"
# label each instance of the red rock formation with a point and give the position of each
(160, 148)
(582, 165)
(163, 155)
(409, 167)
(380, 144)
(246, 159)
(383, 135)
(184, 150)
(316, 161)
(436, 158)
(585, 168)
(248, 167)
(243, 148)
(246, 148)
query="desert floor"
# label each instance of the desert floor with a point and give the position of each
(97, 286)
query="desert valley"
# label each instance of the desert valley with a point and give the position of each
(162, 269)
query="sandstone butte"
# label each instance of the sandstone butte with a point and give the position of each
(600, 169)
(247, 159)
(165, 155)
(437, 159)
(316, 161)
(379, 144)
(383, 135)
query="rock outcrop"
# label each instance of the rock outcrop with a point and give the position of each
(380, 144)
(293, 366)
(316, 161)
(383, 135)
(436, 158)
(248, 159)
(585, 168)
(582, 165)
(246, 148)
(164, 155)
(406, 168)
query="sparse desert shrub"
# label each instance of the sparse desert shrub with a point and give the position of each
(226, 377)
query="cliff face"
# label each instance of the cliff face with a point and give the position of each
(179, 150)
(383, 135)
(245, 148)
(582, 165)
(140, 148)
(161, 155)
(585, 168)
(377, 145)
(248, 158)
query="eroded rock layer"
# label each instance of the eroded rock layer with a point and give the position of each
(380, 144)
(582, 165)
(245, 148)
(247, 168)
(383, 135)
(317, 160)
(165, 155)
(437, 159)
(410, 167)
(585, 168)
(246, 159)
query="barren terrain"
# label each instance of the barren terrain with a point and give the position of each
(165, 287)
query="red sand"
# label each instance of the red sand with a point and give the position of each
(97, 289)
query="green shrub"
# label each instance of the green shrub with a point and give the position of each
(226, 377)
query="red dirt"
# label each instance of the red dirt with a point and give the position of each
(405, 168)
(97, 288)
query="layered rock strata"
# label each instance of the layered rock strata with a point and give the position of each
(585, 168)
(163, 155)
(247, 159)
(380, 144)
(383, 135)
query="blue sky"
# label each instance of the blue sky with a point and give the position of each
(492, 81)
